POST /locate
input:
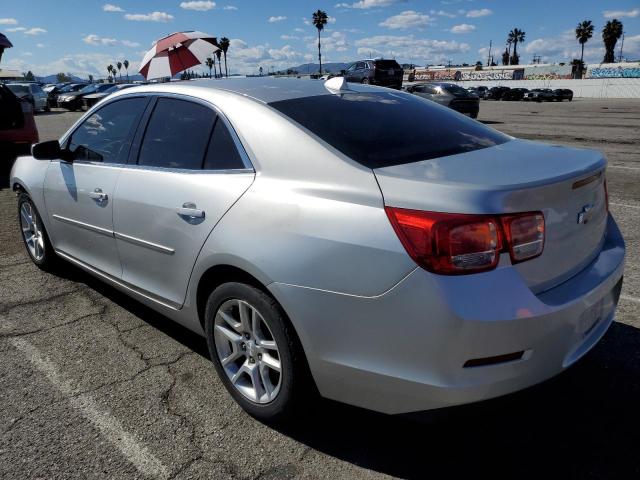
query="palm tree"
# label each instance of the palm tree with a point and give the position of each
(320, 20)
(111, 70)
(517, 36)
(508, 50)
(119, 65)
(224, 46)
(218, 56)
(584, 31)
(209, 63)
(126, 67)
(611, 32)
(505, 57)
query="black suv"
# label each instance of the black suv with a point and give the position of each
(386, 73)
(561, 94)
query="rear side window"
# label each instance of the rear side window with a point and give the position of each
(177, 135)
(388, 64)
(388, 128)
(222, 153)
(106, 135)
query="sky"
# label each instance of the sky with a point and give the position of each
(83, 37)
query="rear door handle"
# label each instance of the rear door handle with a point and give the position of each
(98, 195)
(189, 209)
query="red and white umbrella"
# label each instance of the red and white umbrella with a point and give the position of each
(177, 52)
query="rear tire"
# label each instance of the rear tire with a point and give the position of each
(248, 348)
(34, 235)
(366, 81)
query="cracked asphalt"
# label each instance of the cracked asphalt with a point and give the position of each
(95, 385)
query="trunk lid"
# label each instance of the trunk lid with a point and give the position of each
(516, 176)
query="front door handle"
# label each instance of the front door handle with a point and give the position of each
(190, 210)
(98, 195)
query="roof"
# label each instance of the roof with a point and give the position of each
(268, 89)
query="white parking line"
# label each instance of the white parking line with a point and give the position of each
(110, 427)
(625, 168)
(624, 205)
(629, 298)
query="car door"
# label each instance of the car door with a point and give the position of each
(79, 193)
(349, 73)
(189, 170)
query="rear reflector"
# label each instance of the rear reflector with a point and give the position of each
(454, 244)
(483, 362)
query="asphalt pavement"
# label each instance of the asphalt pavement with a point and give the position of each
(95, 385)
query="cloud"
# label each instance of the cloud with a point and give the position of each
(442, 13)
(247, 58)
(289, 37)
(463, 28)
(82, 65)
(8, 21)
(279, 18)
(35, 31)
(565, 47)
(40, 45)
(109, 7)
(16, 29)
(201, 6)
(407, 19)
(621, 13)
(229, 7)
(336, 42)
(299, 30)
(483, 12)
(149, 17)
(408, 47)
(109, 42)
(366, 4)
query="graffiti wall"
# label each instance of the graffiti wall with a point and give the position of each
(547, 72)
(614, 72)
(468, 74)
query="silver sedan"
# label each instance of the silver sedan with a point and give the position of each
(350, 240)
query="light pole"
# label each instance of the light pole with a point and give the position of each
(489, 56)
(621, 45)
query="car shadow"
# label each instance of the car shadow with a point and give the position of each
(584, 423)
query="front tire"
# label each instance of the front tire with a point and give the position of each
(366, 81)
(255, 351)
(34, 235)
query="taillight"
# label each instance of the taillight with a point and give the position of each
(454, 244)
(525, 235)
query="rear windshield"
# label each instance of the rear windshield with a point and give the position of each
(456, 90)
(386, 64)
(18, 89)
(388, 128)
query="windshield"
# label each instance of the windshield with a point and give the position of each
(456, 90)
(388, 128)
(19, 90)
(90, 88)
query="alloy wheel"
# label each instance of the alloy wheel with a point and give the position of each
(247, 351)
(32, 234)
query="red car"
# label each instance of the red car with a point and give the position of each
(18, 129)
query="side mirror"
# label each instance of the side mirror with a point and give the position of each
(49, 151)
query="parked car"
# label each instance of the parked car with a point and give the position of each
(372, 246)
(73, 100)
(496, 93)
(385, 73)
(449, 95)
(561, 94)
(480, 92)
(540, 95)
(91, 99)
(32, 92)
(18, 129)
(514, 94)
(67, 89)
(52, 91)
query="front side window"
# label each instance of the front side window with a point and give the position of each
(388, 128)
(177, 135)
(106, 135)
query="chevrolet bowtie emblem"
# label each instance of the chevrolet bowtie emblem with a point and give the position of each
(585, 214)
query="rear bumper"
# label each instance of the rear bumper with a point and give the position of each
(406, 350)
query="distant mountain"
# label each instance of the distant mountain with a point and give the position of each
(326, 67)
(75, 79)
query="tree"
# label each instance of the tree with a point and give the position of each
(224, 46)
(320, 19)
(62, 77)
(218, 55)
(126, 67)
(584, 31)
(90, 78)
(29, 76)
(260, 70)
(611, 32)
(516, 36)
(509, 43)
(119, 65)
(111, 70)
(209, 63)
(505, 57)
